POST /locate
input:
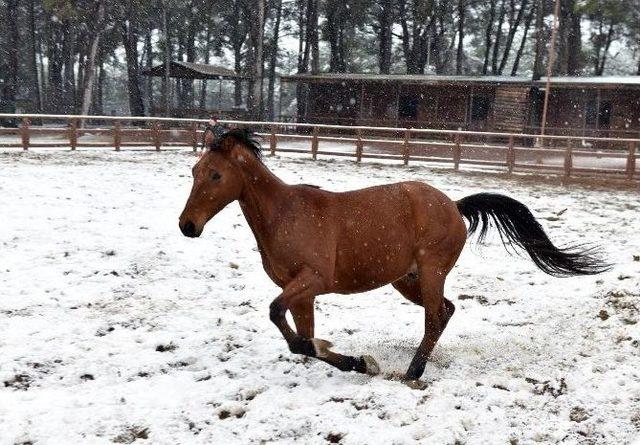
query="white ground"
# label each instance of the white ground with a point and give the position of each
(116, 328)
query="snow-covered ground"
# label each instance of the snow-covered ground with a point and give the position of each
(116, 328)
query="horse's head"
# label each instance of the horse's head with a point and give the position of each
(217, 177)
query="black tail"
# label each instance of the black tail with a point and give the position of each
(518, 227)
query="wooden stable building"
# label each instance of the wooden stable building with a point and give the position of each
(582, 106)
(225, 90)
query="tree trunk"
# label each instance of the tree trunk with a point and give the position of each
(70, 98)
(190, 50)
(562, 35)
(13, 62)
(99, 96)
(538, 67)
(166, 85)
(312, 35)
(303, 59)
(55, 91)
(32, 65)
(527, 25)
(513, 28)
(385, 23)
(336, 20)
(149, 64)
(462, 8)
(601, 64)
(273, 59)
(256, 34)
(487, 35)
(574, 42)
(238, 37)
(130, 42)
(496, 43)
(91, 60)
(207, 58)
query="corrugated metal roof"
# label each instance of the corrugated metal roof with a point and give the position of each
(405, 78)
(426, 79)
(190, 70)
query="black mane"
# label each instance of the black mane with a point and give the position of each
(244, 136)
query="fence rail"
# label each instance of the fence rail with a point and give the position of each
(568, 155)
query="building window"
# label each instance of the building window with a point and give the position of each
(604, 115)
(601, 116)
(480, 108)
(408, 107)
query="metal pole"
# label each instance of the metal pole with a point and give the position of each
(550, 62)
(220, 97)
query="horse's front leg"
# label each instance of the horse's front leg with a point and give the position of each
(298, 296)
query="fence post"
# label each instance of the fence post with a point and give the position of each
(359, 145)
(24, 132)
(568, 159)
(314, 144)
(156, 135)
(631, 161)
(457, 152)
(194, 136)
(73, 134)
(117, 135)
(272, 140)
(511, 155)
(405, 146)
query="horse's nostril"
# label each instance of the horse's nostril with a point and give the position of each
(189, 229)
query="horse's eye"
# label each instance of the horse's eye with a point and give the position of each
(215, 176)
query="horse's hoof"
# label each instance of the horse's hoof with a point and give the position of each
(415, 384)
(321, 347)
(371, 364)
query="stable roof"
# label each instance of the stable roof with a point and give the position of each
(188, 70)
(427, 79)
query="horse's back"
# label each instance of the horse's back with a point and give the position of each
(380, 228)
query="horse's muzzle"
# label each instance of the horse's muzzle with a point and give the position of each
(189, 229)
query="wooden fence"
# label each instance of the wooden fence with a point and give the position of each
(510, 152)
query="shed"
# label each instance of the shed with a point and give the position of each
(185, 107)
(595, 106)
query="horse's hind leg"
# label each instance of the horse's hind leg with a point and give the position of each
(437, 312)
(409, 287)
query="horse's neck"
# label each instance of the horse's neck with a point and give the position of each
(263, 194)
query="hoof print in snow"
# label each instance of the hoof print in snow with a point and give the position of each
(500, 387)
(578, 414)
(104, 331)
(416, 384)
(603, 315)
(195, 429)
(479, 298)
(131, 434)
(334, 437)
(237, 412)
(166, 348)
(19, 382)
(547, 387)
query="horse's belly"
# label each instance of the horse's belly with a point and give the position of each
(370, 265)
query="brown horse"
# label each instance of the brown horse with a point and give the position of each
(315, 242)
